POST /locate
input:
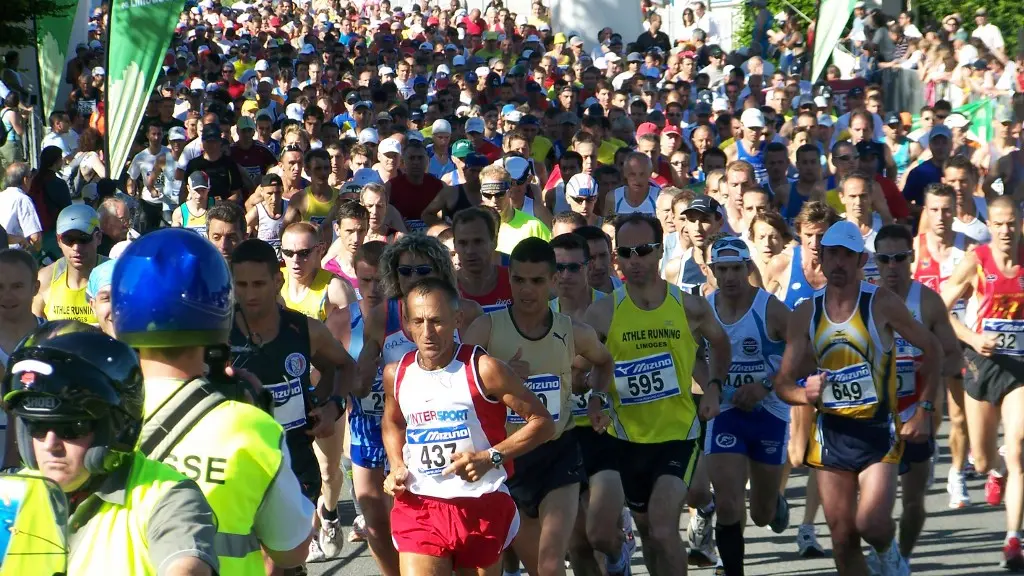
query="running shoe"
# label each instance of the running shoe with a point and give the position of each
(892, 563)
(956, 486)
(994, 488)
(781, 520)
(807, 542)
(1013, 560)
(628, 547)
(358, 532)
(719, 568)
(699, 537)
(331, 538)
(316, 553)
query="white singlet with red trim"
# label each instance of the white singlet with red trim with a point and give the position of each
(446, 413)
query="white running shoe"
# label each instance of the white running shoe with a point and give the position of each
(315, 554)
(892, 563)
(699, 538)
(331, 538)
(807, 542)
(956, 486)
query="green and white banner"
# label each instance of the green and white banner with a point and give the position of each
(140, 33)
(53, 34)
(832, 18)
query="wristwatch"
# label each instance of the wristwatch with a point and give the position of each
(717, 382)
(496, 457)
(926, 406)
(339, 401)
(602, 396)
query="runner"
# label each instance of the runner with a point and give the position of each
(265, 337)
(265, 220)
(750, 145)
(351, 222)
(495, 183)
(372, 197)
(225, 227)
(444, 431)
(18, 285)
(526, 335)
(995, 370)
(703, 219)
(191, 214)
(385, 341)
(313, 203)
(656, 426)
(638, 194)
(858, 438)
(855, 194)
(601, 269)
(61, 292)
(938, 251)
(894, 252)
(481, 278)
(366, 448)
(752, 428)
(307, 288)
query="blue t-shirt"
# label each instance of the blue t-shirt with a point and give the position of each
(919, 179)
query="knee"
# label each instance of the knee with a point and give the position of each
(663, 533)
(332, 475)
(699, 495)
(761, 513)
(844, 536)
(550, 564)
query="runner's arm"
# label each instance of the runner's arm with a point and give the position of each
(939, 324)
(470, 312)
(498, 381)
(39, 300)
(294, 212)
(955, 287)
(339, 294)
(478, 333)
(392, 424)
(893, 311)
(432, 213)
(599, 317)
(796, 356)
(327, 353)
(252, 219)
(369, 356)
(589, 346)
(704, 325)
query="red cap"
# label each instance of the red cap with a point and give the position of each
(275, 21)
(433, 21)
(672, 130)
(647, 128)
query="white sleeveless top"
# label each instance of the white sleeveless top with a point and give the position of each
(269, 229)
(755, 356)
(622, 206)
(447, 412)
(908, 356)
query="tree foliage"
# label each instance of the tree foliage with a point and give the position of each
(744, 32)
(16, 19)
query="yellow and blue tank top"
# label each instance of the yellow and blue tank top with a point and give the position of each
(314, 302)
(654, 354)
(317, 210)
(861, 368)
(64, 302)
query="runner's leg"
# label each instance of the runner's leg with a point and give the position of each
(983, 431)
(604, 515)
(912, 521)
(765, 480)
(422, 565)
(582, 555)
(1013, 435)
(663, 511)
(367, 485)
(874, 509)
(957, 423)
(840, 504)
(728, 473)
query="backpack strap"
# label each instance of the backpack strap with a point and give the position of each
(177, 416)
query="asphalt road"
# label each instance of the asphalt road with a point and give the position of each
(967, 541)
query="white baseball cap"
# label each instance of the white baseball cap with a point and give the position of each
(176, 133)
(720, 104)
(752, 118)
(262, 66)
(846, 234)
(441, 126)
(581, 186)
(365, 176)
(729, 244)
(389, 146)
(368, 136)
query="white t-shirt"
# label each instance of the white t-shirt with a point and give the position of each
(142, 166)
(54, 139)
(990, 35)
(18, 214)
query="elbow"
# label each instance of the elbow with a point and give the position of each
(547, 429)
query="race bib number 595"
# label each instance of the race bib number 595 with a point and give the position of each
(646, 379)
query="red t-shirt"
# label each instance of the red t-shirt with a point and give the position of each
(412, 199)
(898, 206)
(255, 161)
(492, 152)
(498, 298)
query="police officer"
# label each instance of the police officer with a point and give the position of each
(173, 300)
(78, 396)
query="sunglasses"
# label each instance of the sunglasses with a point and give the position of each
(421, 270)
(66, 430)
(582, 199)
(898, 257)
(573, 267)
(73, 238)
(627, 252)
(846, 157)
(494, 196)
(304, 253)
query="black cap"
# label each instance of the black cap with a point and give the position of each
(704, 204)
(855, 92)
(869, 148)
(211, 132)
(715, 50)
(529, 120)
(892, 118)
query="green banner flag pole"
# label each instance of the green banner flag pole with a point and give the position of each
(53, 33)
(139, 33)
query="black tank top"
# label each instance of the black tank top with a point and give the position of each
(461, 203)
(283, 367)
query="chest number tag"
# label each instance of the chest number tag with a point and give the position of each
(646, 379)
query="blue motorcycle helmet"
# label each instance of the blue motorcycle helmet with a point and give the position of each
(172, 289)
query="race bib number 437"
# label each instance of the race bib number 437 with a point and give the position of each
(646, 379)
(431, 450)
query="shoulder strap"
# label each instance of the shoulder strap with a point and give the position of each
(172, 421)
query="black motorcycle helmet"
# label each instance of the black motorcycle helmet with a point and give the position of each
(66, 371)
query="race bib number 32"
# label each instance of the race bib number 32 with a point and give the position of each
(849, 387)
(431, 450)
(646, 379)
(548, 389)
(1009, 335)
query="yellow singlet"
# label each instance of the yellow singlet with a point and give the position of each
(859, 399)
(314, 302)
(63, 303)
(317, 211)
(654, 354)
(550, 359)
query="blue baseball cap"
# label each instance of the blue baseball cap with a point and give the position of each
(100, 277)
(419, 80)
(79, 217)
(507, 108)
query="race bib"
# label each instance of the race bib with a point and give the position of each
(416, 225)
(849, 387)
(579, 405)
(646, 379)
(906, 368)
(317, 220)
(871, 272)
(959, 310)
(373, 403)
(431, 450)
(741, 373)
(289, 404)
(201, 230)
(1009, 335)
(547, 388)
